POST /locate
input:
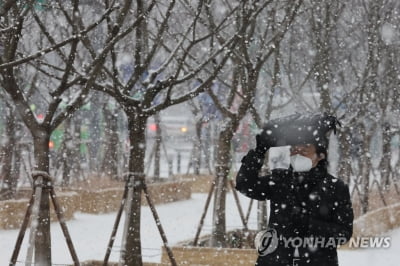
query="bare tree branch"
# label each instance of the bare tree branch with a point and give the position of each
(54, 47)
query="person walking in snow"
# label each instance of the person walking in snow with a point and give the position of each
(310, 210)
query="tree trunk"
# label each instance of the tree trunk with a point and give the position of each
(197, 149)
(94, 126)
(207, 147)
(131, 254)
(70, 151)
(345, 155)
(262, 215)
(262, 208)
(8, 151)
(66, 154)
(77, 155)
(42, 238)
(323, 74)
(109, 164)
(386, 154)
(365, 169)
(224, 159)
(322, 26)
(16, 170)
(157, 148)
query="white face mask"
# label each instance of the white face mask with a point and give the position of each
(300, 163)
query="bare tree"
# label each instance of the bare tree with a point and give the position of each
(351, 61)
(55, 56)
(323, 20)
(370, 113)
(152, 71)
(234, 99)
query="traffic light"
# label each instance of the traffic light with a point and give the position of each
(153, 127)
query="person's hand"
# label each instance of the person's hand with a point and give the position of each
(262, 145)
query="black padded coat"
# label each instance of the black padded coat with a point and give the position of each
(306, 205)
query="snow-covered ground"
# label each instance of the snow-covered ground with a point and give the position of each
(90, 235)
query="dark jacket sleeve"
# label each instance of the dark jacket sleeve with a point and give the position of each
(247, 180)
(341, 226)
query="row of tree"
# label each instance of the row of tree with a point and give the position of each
(258, 59)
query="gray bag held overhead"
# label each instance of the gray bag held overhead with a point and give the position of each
(300, 129)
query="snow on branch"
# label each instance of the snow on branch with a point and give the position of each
(56, 46)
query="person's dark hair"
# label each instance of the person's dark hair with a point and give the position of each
(324, 162)
(321, 149)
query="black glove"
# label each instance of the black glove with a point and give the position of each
(262, 145)
(253, 161)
